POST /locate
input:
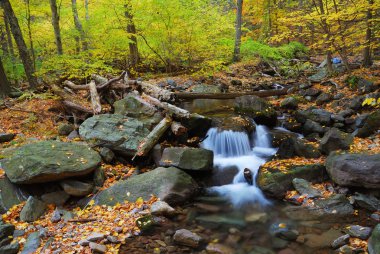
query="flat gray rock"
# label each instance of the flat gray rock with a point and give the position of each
(187, 158)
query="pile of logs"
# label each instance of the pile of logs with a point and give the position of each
(102, 92)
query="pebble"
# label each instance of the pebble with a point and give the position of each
(161, 208)
(359, 231)
(100, 248)
(187, 238)
(95, 237)
(217, 248)
(56, 216)
(118, 229)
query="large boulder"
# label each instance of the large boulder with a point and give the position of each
(257, 108)
(32, 210)
(320, 116)
(187, 158)
(293, 146)
(334, 140)
(356, 170)
(48, 161)
(276, 182)
(374, 241)
(136, 107)
(10, 195)
(117, 132)
(371, 125)
(171, 185)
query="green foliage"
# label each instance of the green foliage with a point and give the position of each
(251, 49)
(352, 82)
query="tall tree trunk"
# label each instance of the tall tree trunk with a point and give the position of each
(367, 59)
(23, 50)
(5, 87)
(238, 24)
(3, 40)
(329, 62)
(86, 8)
(131, 30)
(55, 22)
(78, 25)
(29, 25)
(9, 38)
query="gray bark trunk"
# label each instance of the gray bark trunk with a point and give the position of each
(23, 50)
(239, 17)
(29, 25)
(9, 38)
(367, 59)
(78, 25)
(55, 22)
(131, 30)
(86, 8)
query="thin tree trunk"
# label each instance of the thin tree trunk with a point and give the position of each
(5, 87)
(23, 50)
(367, 61)
(131, 30)
(55, 22)
(29, 25)
(329, 62)
(78, 25)
(3, 39)
(238, 24)
(9, 38)
(86, 8)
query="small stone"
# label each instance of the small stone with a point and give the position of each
(56, 216)
(65, 129)
(98, 248)
(113, 239)
(76, 188)
(94, 237)
(375, 217)
(359, 231)
(256, 217)
(83, 242)
(368, 202)
(217, 248)
(32, 243)
(18, 233)
(107, 154)
(161, 208)
(32, 210)
(99, 177)
(118, 229)
(74, 134)
(6, 137)
(340, 241)
(187, 238)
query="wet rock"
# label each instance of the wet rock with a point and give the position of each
(320, 116)
(161, 208)
(58, 198)
(6, 230)
(73, 135)
(227, 220)
(187, 238)
(171, 185)
(350, 169)
(10, 249)
(334, 140)
(218, 248)
(337, 205)
(48, 161)
(278, 243)
(98, 248)
(346, 249)
(371, 125)
(65, 129)
(10, 195)
(99, 177)
(257, 108)
(374, 241)
(313, 127)
(293, 146)
(359, 231)
(32, 210)
(312, 92)
(324, 98)
(94, 237)
(289, 103)
(256, 218)
(56, 216)
(197, 159)
(337, 118)
(340, 241)
(320, 241)
(305, 188)
(283, 231)
(117, 132)
(107, 154)
(368, 202)
(6, 137)
(276, 182)
(76, 188)
(32, 243)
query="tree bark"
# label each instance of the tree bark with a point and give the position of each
(131, 30)
(4, 42)
(238, 24)
(86, 9)
(367, 59)
(5, 87)
(9, 38)
(23, 50)
(29, 25)
(95, 99)
(78, 25)
(55, 22)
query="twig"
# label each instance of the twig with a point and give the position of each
(82, 220)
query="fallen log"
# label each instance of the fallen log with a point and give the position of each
(191, 96)
(171, 109)
(153, 137)
(154, 91)
(99, 79)
(70, 101)
(95, 99)
(178, 129)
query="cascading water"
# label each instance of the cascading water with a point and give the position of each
(233, 148)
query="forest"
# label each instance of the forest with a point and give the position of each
(204, 126)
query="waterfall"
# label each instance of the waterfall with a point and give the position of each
(227, 143)
(233, 148)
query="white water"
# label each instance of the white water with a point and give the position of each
(234, 149)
